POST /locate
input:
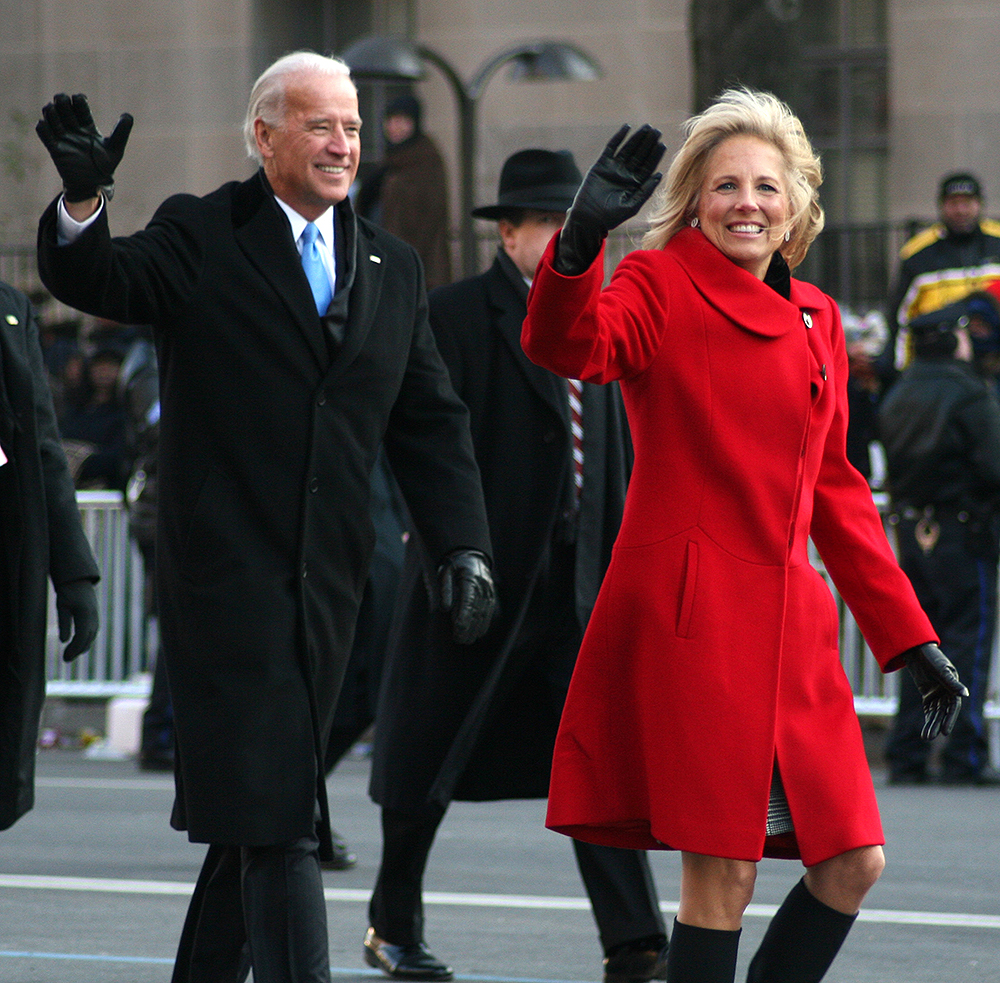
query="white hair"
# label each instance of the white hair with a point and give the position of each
(267, 98)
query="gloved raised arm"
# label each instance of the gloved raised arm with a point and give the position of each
(465, 584)
(85, 159)
(613, 190)
(940, 688)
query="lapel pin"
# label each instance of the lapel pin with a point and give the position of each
(11, 319)
(375, 259)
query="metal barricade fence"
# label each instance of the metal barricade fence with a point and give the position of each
(120, 654)
(119, 657)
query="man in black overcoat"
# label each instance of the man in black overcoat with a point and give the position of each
(479, 723)
(282, 368)
(41, 538)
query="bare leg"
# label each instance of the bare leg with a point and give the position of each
(842, 882)
(705, 939)
(715, 891)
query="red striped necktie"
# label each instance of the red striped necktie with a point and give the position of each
(576, 419)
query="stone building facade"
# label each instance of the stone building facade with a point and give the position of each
(895, 92)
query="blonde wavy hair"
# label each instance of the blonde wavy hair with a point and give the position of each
(742, 112)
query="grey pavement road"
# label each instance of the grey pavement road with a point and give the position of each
(94, 885)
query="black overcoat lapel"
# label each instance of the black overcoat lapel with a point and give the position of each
(367, 276)
(264, 235)
(511, 311)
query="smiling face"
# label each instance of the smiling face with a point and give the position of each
(311, 159)
(743, 203)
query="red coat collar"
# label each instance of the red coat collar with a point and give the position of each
(737, 294)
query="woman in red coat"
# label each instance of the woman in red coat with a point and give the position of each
(709, 712)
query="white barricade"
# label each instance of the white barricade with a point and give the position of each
(119, 656)
(118, 663)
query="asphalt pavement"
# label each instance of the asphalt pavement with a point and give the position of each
(94, 885)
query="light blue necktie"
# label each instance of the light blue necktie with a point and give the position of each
(316, 273)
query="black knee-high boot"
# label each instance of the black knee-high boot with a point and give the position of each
(801, 942)
(701, 955)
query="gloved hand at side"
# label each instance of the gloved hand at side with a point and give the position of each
(76, 607)
(940, 688)
(466, 590)
(613, 190)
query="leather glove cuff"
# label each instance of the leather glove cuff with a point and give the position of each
(577, 247)
(79, 193)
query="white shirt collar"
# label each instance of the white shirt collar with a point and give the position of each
(324, 223)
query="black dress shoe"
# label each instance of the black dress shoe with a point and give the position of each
(637, 962)
(343, 858)
(404, 962)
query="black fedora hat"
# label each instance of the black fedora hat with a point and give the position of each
(543, 180)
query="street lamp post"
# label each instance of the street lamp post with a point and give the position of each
(393, 58)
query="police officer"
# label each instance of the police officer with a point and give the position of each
(940, 425)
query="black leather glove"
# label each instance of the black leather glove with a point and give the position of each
(85, 160)
(614, 189)
(76, 606)
(939, 686)
(467, 591)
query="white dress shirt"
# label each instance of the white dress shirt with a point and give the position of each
(324, 241)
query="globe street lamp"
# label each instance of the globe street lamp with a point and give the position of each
(394, 58)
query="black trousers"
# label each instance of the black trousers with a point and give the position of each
(158, 718)
(256, 907)
(955, 580)
(619, 883)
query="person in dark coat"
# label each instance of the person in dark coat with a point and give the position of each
(41, 539)
(479, 724)
(139, 391)
(280, 374)
(407, 194)
(940, 426)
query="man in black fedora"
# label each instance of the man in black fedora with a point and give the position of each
(478, 723)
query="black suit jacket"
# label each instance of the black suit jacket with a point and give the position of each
(40, 538)
(486, 722)
(268, 435)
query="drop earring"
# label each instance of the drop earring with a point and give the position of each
(788, 234)
(694, 222)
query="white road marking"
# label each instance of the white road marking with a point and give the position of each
(107, 885)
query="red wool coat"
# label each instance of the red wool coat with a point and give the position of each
(713, 649)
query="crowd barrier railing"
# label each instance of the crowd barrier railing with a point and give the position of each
(119, 661)
(116, 662)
